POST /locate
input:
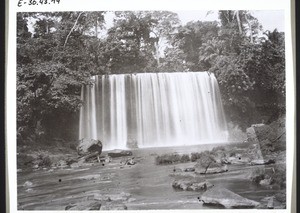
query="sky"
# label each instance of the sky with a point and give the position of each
(269, 19)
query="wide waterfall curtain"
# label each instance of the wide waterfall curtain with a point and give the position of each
(153, 109)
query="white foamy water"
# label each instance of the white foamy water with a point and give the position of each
(154, 109)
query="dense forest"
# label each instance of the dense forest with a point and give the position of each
(64, 49)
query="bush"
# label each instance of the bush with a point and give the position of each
(44, 161)
(185, 158)
(195, 156)
(232, 153)
(279, 175)
(205, 159)
(172, 158)
(24, 160)
(236, 134)
(257, 174)
(218, 148)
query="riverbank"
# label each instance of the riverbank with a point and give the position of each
(144, 185)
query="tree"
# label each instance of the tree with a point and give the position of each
(190, 38)
(51, 73)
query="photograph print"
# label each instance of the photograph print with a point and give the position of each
(151, 110)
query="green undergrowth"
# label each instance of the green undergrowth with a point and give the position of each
(172, 158)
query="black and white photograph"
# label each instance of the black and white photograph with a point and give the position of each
(151, 110)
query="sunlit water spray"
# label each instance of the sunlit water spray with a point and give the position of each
(153, 109)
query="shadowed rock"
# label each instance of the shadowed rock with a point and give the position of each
(226, 198)
(212, 168)
(189, 185)
(111, 206)
(262, 162)
(87, 146)
(119, 153)
(87, 205)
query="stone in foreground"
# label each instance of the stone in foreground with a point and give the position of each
(112, 206)
(226, 198)
(87, 146)
(188, 185)
(262, 162)
(88, 205)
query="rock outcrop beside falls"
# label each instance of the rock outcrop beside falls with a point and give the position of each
(88, 146)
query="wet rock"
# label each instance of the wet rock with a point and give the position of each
(177, 169)
(203, 186)
(217, 169)
(28, 184)
(77, 164)
(36, 166)
(101, 197)
(262, 162)
(106, 159)
(119, 153)
(191, 185)
(29, 190)
(111, 206)
(270, 203)
(189, 169)
(266, 182)
(130, 162)
(90, 177)
(61, 164)
(225, 160)
(239, 160)
(85, 205)
(87, 146)
(131, 199)
(213, 168)
(226, 198)
(120, 197)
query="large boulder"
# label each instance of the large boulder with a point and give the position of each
(87, 146)
(226, 198)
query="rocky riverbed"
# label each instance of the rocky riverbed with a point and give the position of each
(115, 184)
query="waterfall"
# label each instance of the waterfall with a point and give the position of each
(154, 109)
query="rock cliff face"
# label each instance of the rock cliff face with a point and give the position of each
(269, 137)
(87, 146)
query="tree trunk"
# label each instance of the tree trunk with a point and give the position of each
(96, 28)
(250, 28)
(72, 29)
(157, 52)
(239, 21)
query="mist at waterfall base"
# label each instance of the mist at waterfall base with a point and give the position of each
(153, 110)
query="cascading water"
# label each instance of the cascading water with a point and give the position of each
(154, 109)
